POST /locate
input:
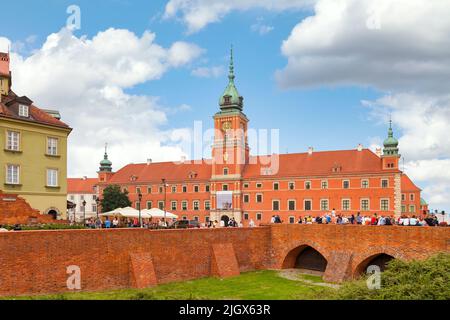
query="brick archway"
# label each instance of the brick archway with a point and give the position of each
(360, 264)
(289, 256)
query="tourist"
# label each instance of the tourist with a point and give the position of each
(327, 218)
(405, 221)
(318, 220)
(381, 221)
(107, 223)
(98, 224)
(333, 212)
(300, 220)
(272, 220)
(352, 219)
(429, 221)
(115, 223)
(359, 219)
(435, 221)
(251, 223)
(374, 220)
(388, 221)
(345, 220)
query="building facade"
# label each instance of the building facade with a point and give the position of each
(34, 157)
(82, 192)
(234, 184)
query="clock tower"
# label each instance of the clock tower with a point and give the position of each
(230, 151)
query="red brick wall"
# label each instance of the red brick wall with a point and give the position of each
(15, 210)
(36, 262)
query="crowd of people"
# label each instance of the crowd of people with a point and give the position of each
(368, 220)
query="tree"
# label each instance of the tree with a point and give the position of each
(114, 198)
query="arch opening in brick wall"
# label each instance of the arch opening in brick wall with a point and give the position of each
(305, 257)
(381, 260)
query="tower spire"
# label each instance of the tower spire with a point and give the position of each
(231, 75)
(105, 164)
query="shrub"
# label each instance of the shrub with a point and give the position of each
(415, 280)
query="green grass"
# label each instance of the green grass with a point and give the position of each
(260, 285)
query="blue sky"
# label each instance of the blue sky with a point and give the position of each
(311, 110)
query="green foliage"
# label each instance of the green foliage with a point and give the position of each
(415, 280)
(114, 198)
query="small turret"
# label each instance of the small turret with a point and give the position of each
(391, 154)
(106, 164)
(5, 74)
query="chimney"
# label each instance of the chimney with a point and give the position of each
(378, 152)
(360, 147)
(310, 150)
(149, 161)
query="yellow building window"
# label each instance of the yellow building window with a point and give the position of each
(13, 141)
(52, 146)
(52, 178)
(12, 174)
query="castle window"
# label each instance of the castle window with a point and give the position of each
(345, 204)
(225, 171)
(324, 204)
(403, 208)
(246, 198)
(184, 189)
(384, 183)
(291, 205)
(207, 188)
(161, 205)
(196, 205)
(346, 184)
(161, 189)
(196, 188)
(138, 190)
(412, 208)
(276, 186)
(207, 205)
(403, 197)
(275, 205)
(174, 189)
(365, 184)
(23, 111)
(259, 216)
(307, 185)
(365, 204)
(411, 197)
(225, 187)
(246, 185)
(184, 205)
(196, 218)
(384, 205)
(259, 198)
(324, 184)
(307, 205)
(173, 205)
(259, 185)
(149, 190)
(227, 99)
(291, 185)
(245, 216)
(149, 205)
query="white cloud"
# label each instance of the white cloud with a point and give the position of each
(260, 27)
(197, 14)
(86, 80)
(388, 44)
(208, 72)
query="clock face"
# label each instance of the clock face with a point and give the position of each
(226, 125)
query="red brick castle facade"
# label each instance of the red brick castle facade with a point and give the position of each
(235, 184)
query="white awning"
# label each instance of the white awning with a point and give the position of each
(158, 213)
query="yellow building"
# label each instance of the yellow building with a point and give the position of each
(33, 159)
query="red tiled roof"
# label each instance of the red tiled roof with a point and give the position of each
(81, 185)
(408, 185)
(35, 114)
(154, 172)
(317, 164)
(300, 164)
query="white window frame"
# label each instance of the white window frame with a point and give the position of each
(321, 205)
(24, 111)
(322, 183)
(244, 196)
(295, 204)
(361, 204)
(279, 204)
(413, 207)
(14, 177)
(293, 185)
(173, 205)
(260, 216)
(197, 187)
(278, 186)
(387, 184)
(52, 178)
(12, 140)
(196, 205)
(343, 184)
(147, 205)
(308, 183)
(362, 184)
(304, 204)
(256, 198)
(159, 205)
(381, 204)
(52, 146)
(412, 197)
(349, 204)
(207, 207)
(184, 205)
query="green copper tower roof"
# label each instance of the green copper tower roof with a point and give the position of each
(231, 100)
(390, 144)
(106, 164)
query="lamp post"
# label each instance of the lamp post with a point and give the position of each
(97, 201)
(165, 198)
(140, 218)
(84, 212)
